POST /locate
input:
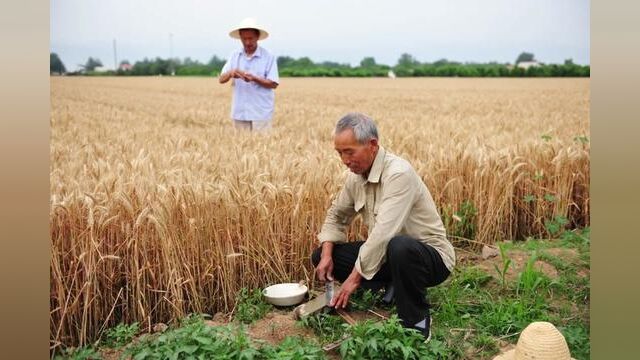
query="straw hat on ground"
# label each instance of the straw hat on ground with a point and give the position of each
(541, 341)
(249, 23)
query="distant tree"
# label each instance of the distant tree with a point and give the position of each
(284, 61)
(215, 61)
(303, 63)
(333, 64)
(407, 60)
(368, 62)
(55, 64)
(568, 62)
(91, 64)
(524, 56)
(441, 62)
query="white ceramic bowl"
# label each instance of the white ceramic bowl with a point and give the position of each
(285, 294)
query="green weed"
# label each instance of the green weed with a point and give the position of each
(530, 279)
(462, 223)
(193, 341)
(386, 340)
(120, 335)
(506, 316)
(293, 348)
(577, 336)
(555, 226)
(82, 353)
(502, 271)
(251, 306)
(328, 328)
(361, 300)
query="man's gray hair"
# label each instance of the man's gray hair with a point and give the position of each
(363, 127)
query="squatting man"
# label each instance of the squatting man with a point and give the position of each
(406, 248)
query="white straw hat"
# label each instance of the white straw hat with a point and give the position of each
(249, 23)
(540, 341)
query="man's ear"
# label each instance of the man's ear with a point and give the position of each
(373, 142)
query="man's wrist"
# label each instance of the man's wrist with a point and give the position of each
(327, 250)
(355, 276)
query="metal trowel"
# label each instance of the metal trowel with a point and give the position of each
(319, 303)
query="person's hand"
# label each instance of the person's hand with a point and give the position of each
(324, 270)
(235, 73)
(248, 77)
(348, 287)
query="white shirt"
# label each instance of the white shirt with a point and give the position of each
(252, 102)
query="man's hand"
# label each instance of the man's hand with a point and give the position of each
(325, 269)
(249, 77)
(346, 289)
(233, 73)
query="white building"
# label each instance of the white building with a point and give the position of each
(527, 64)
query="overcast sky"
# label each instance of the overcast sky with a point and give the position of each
(344, 31)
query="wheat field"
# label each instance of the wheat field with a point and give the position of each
(159, 208)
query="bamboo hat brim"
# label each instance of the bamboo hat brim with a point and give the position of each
(249, 23)
(540, 341)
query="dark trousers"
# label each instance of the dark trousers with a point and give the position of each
(410, 266)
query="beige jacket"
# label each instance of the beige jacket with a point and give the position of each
(393, 201)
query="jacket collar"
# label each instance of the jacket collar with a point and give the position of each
(378, 165)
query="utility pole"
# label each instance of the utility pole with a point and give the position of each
(173, 72)
(115, 56)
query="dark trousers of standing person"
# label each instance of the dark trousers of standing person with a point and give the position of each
(410, 267)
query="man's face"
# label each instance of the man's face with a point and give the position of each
(249, 39)
(357, 157)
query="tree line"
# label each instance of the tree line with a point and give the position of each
(406, 66)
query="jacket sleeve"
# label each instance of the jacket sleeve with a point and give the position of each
(338, 217)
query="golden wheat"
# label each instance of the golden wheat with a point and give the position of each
(160, 208)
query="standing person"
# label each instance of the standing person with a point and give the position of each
(253, 72)
(406, 244)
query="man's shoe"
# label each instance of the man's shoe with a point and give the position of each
(424, 329)
(388, 294)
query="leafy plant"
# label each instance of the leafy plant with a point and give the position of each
(193, 341)
(461, 223)
(193, 318)
(576, 237)
(362, 300)
(293, 348)
(81, 353)
(502, 271)
(556, 225)
(328, 328)
(384, 340)
(529, 198)
(251, 306)
(530, 279)
(120, 335)
(549, 197)
(577, 337)
(546, 137)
